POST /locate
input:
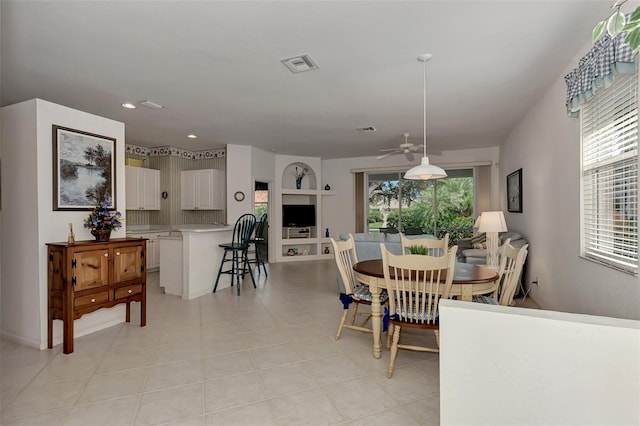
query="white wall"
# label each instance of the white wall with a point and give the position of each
(512, 366)
(339, 210)
(239, 178)
(29, 221)
(546, 145)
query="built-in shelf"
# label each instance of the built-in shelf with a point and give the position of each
(311, 192)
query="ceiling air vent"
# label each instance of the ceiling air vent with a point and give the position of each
(366, 129)
(300, 63)
(151, 104)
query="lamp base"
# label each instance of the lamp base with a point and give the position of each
(493, 257)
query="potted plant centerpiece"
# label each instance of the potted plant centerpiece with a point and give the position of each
(102, 220)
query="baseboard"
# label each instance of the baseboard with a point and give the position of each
(20, 340)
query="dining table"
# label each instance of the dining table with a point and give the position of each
(468, 280)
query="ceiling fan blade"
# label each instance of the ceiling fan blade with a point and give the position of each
(388, 149)
(394, 152)
(409, 156)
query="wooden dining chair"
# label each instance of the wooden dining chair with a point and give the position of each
(432, 246)
(354, 292)
(511, 263)
(415, 283)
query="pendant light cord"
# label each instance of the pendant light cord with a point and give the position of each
(424, 97)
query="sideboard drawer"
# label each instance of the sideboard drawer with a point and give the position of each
(92, 299)
(128, 291)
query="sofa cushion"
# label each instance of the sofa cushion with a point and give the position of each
(510, 234)
(379, 238)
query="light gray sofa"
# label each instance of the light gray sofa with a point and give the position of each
(368, 245)
(478, 256)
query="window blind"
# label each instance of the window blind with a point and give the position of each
(609, 130)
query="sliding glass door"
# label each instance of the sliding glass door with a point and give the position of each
(415, 206)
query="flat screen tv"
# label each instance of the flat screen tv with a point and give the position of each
(298, 215)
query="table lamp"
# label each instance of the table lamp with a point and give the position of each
(492, 223)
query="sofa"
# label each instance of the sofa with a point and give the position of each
(473, 250)
(368, 246)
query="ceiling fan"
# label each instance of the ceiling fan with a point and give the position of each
(406, 148)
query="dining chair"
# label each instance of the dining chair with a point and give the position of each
(238, 248)
(256, 241)
(432, 246)
(354, 292)
(416, 284)
(511, 262)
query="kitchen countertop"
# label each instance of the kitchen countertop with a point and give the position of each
(203, 228)
(141, 229)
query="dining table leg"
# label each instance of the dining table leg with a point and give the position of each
(376, 319)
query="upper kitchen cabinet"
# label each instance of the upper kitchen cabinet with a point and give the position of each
(202, 189)
(142, 188)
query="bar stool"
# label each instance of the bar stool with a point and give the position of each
(238, 249)
(258, 238)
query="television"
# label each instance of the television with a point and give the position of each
(298, 215)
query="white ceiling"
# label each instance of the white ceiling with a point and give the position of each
(216, 67)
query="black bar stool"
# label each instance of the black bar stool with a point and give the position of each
(258, 238)
(238, 249)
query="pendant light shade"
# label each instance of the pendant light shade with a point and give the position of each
(425, 170)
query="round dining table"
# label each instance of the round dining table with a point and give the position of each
(468, 280)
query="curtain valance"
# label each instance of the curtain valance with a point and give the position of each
(609, 56)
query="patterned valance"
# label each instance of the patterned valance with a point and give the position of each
(609, 56)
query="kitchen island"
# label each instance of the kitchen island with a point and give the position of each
(190, 258)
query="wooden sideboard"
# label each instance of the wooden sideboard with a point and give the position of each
(89, 275)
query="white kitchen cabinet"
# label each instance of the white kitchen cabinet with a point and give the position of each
(143, 188)
(202, 189)
(153, 246)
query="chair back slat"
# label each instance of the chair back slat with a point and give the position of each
(433, 246)
(260, 226)
(511, 263)
(345, 256)
(416, 284)
(243, 229)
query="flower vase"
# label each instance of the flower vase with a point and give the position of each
(102, 235)
(299, 183)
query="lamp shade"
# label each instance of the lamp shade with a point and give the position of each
(492, 222)
(425, 171)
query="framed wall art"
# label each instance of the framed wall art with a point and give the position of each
(84, 170)
(514, 192)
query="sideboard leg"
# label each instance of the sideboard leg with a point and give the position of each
(128, 312)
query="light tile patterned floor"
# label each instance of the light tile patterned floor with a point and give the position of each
(266, 357)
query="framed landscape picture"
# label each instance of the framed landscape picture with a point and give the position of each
(83, 169)
(514, 192)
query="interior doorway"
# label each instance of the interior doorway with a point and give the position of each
(260, 208)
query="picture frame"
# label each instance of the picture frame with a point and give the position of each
(84, 169)
(514, 192)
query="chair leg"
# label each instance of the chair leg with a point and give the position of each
(260, 260)
(355, 313)
(394, 350)
(366, 320)
(237, 272)
(224, 258)
(389, 335)
(247, 265)
(342, 321)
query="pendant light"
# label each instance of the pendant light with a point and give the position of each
(425, 170)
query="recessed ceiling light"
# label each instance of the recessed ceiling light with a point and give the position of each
(191, 136)
(129, 105)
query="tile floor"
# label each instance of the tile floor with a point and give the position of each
(267, 357)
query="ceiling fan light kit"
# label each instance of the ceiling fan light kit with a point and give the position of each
(425, 170)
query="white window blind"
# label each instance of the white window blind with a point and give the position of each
(610, 175)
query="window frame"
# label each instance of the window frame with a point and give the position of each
(604, 175)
